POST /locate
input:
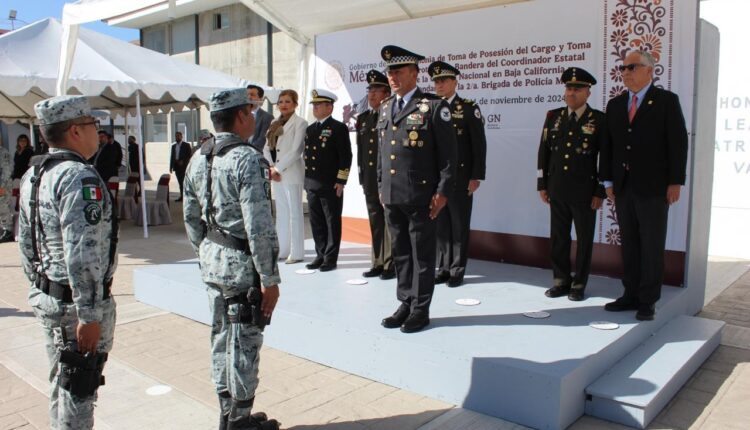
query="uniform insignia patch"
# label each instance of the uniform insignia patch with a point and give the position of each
(265, 172)
(92, 192)
(415, 118)
(325, 133)
(92, 213)
(445, 114)
(477, 113)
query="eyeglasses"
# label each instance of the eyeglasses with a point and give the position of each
(630, 67)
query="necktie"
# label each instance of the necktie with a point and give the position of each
(399, 106)
(633, 108)
(573, 119)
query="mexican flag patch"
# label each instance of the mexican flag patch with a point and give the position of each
(92, 192)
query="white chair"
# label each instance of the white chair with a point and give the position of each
(157, 211)
(126, 204)
(113, 185)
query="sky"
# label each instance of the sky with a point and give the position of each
(29, 11)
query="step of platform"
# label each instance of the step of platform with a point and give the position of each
(637, 388)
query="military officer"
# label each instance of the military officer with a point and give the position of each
(68, 243)
(227, 210)
(367, 160)
(416, 169)
(568, 181)
(454, 221)
(328, 157)
(6, 212)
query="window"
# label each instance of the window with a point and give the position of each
(186, 122)
(156, 127)
(183, 35)
(221, 21)
(155, 39)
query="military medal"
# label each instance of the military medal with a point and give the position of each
(420, 143)
(424, 108)
(585, 145)
(413, 143)
(413, 135)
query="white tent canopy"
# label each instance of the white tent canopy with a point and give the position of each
(108, 70)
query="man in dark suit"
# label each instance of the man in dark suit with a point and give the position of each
(568, 181)
(643, 165)
(454, 221)
(178, 160)
(108, 158)
(262, 118)
(416, 169)
(328, 157)
(367, 160)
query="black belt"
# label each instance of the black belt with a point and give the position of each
(63, 292)
(228, 241)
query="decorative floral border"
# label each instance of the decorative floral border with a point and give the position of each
(633, 24)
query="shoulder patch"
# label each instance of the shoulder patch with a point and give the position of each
(92, 213)
(477, 113)
(445, 114)
(92, 192)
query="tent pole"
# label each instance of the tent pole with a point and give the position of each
(31, 133)
(127, 151)
(139, 135)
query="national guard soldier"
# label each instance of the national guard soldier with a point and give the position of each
(367, 160)
(68, 242)
(568, 181)
(416, 168)
(227, 209)
(328, 157)
(454, 221)
(6, 212)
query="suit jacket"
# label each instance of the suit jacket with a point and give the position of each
(472, 144)
(417, 150)
(289, 148)
(180, 164)
(568, 155)
(652, 151)
(367, 151)
(328, 154)
(262, 121)
(108, 159)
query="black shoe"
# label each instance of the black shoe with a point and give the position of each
(327, 267)
(575, 295)
(373, 272)
(398, 317)
(558, 291)
(415, 323)
(252, 423)
(314, 264)
(621, 304)
(442, 277)
(645, 313)
(388, 274)
(455, 282)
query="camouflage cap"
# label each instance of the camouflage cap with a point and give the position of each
(226, 99)
(62, 108)
(204, 134)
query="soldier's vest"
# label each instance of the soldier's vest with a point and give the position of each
(55, 289)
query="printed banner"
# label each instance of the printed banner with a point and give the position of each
(511, 58)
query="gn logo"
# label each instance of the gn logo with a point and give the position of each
(493, 121)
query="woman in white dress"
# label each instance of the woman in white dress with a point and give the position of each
(285, 141)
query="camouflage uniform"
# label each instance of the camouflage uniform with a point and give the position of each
(75, 216)
(241, 198)
(6, 212)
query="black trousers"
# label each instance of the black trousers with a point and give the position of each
(413, 238)
(325, 222)
(453, 234)
(643, 232)
(562, 216)
(381, 237)
(180, 174)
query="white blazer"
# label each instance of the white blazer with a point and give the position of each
(289, 150)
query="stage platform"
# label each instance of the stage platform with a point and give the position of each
(488, 358)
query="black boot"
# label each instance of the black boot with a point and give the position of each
(250, 423)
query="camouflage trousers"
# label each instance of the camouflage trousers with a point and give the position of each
(68, 411)
(6, 212)
(235, 351)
